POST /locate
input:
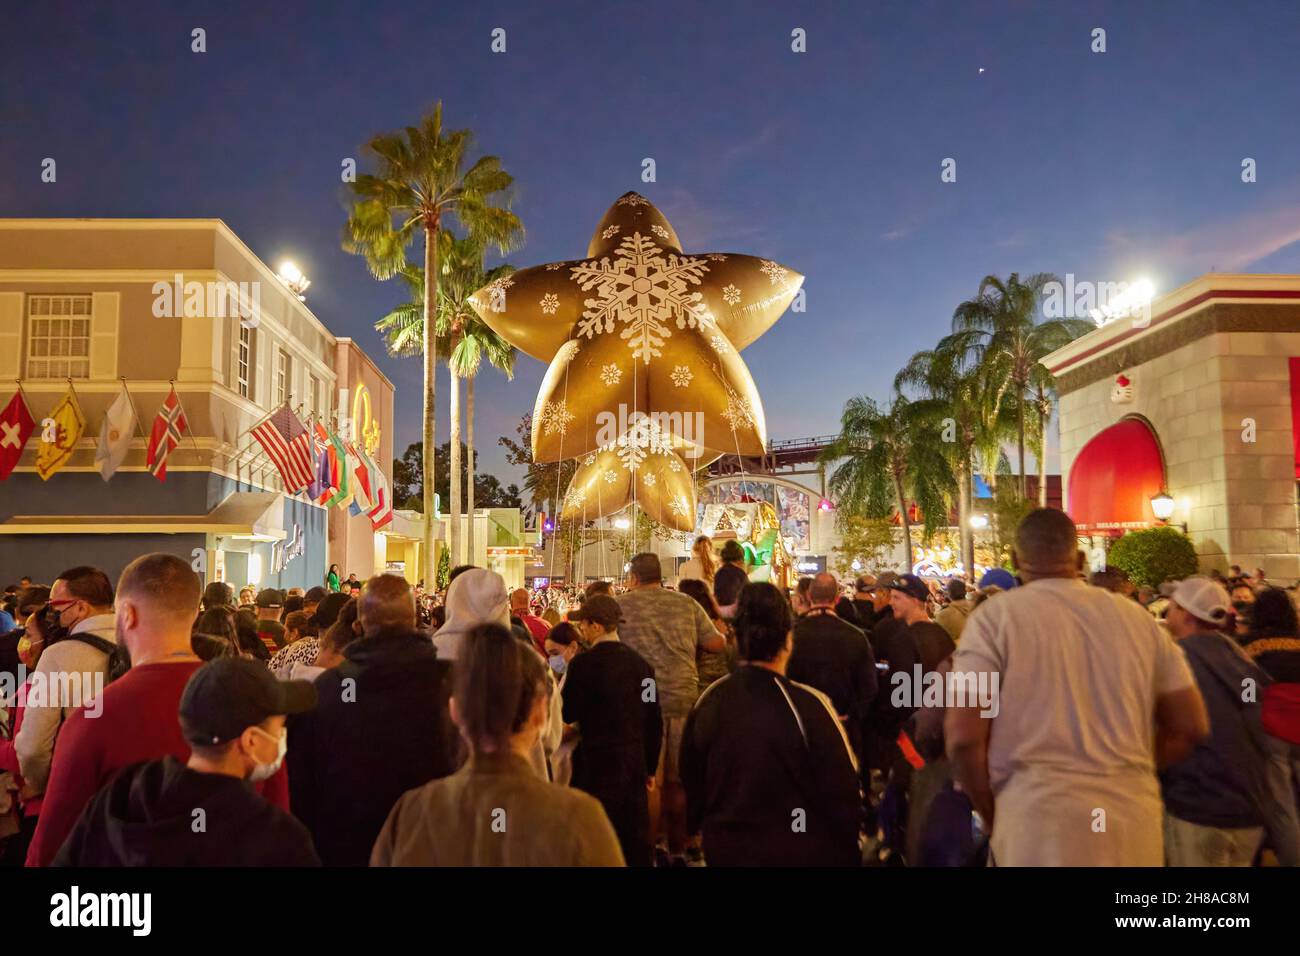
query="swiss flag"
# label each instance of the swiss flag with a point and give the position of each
(16, 425)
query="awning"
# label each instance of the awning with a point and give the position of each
(254, 514)
(1114, 478)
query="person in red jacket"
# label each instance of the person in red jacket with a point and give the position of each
(29, 650)
(157, 600)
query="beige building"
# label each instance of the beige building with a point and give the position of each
(1202, 400)
(154, 302)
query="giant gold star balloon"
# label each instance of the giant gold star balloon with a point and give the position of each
(644, 372)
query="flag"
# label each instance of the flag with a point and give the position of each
(339, 461)
(168, 427)
(289, 445)
(16, 426)
(322, 481)
(360, 481)
(381, 513)
(64, 426)
(115, 435)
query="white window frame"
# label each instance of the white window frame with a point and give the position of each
(51, 329)
(313, 394)
(244, 361)
(281, 377)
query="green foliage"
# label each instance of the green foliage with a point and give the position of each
(444, 569)
(1009, 509)
(870, 541)
(1154, 555)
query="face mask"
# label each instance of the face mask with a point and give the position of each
(264, 770)
(558, 663)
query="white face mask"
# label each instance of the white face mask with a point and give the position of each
(264, 770)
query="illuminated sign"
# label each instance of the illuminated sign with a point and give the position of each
(365, 429)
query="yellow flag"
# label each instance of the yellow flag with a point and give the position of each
(60, 432)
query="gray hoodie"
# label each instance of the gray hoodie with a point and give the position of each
(71, 673)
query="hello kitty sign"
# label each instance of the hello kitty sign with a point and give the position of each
(1121, 393)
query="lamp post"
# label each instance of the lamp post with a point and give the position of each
(292, 276)
(1162, 506)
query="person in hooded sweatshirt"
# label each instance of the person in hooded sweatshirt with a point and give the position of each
(478, 596)
(381, 728)
(232, 714)
(1222, 800)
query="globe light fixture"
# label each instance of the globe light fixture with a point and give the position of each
(979, 522)
(1162, 506)
(622, 524)
(825, 505)
(857, 565)
(292, 276)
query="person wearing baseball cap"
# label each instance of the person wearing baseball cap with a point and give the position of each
(1222, 800)
(620, 731)
(270, 602)
(205, 812)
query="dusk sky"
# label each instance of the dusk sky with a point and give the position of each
(1110, 166)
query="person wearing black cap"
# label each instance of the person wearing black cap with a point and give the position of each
(204, 812)
(310, 601)
(270, 603)
(605, 692)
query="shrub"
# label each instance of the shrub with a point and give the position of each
(1153, 556)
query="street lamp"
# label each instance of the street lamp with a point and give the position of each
(292, 276)
(622, 524)
(979, 522)
(1162, 506)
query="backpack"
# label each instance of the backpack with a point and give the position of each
(118, 660)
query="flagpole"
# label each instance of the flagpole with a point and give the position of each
(181, 406)
(139, 425)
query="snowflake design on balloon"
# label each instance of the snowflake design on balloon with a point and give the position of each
(648, 480)
(675, 464)
(659, 231)
(589, 460)
(610, 476)
(644, 291)
(643, 439)
(719, 344)
(575, 498)
(552, 266)
(731, 294)
(774, 271)
(739, 413)
(550, 302)
(610, 231)
(716, 257)
(633, 199)
(611, 374)
(556, 417)
(679, 505)
(682, 375)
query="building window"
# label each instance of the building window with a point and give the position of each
(58, 340)
(281, 377)
(314, 394)
(243, 374)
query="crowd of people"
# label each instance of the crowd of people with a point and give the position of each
(1038, 718)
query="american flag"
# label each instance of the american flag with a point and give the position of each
(289, 445)
(168, 427)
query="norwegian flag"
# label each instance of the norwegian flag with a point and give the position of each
(290, 447)
(168, 427)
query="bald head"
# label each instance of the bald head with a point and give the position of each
(387, 604)
(824, 588)
(1047, 544)
(161, 585)
(519, 601)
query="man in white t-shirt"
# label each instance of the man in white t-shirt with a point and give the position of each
(1091, 696)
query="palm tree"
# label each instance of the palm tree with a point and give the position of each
(471, 340)
(1007, 337)
(420, 179)
(958, 399)
(887, 458)
(1043, 395)
(465, 339)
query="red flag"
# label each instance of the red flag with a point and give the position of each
(168, 427)
(16, 425)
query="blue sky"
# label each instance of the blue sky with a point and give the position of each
(1110, 166)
